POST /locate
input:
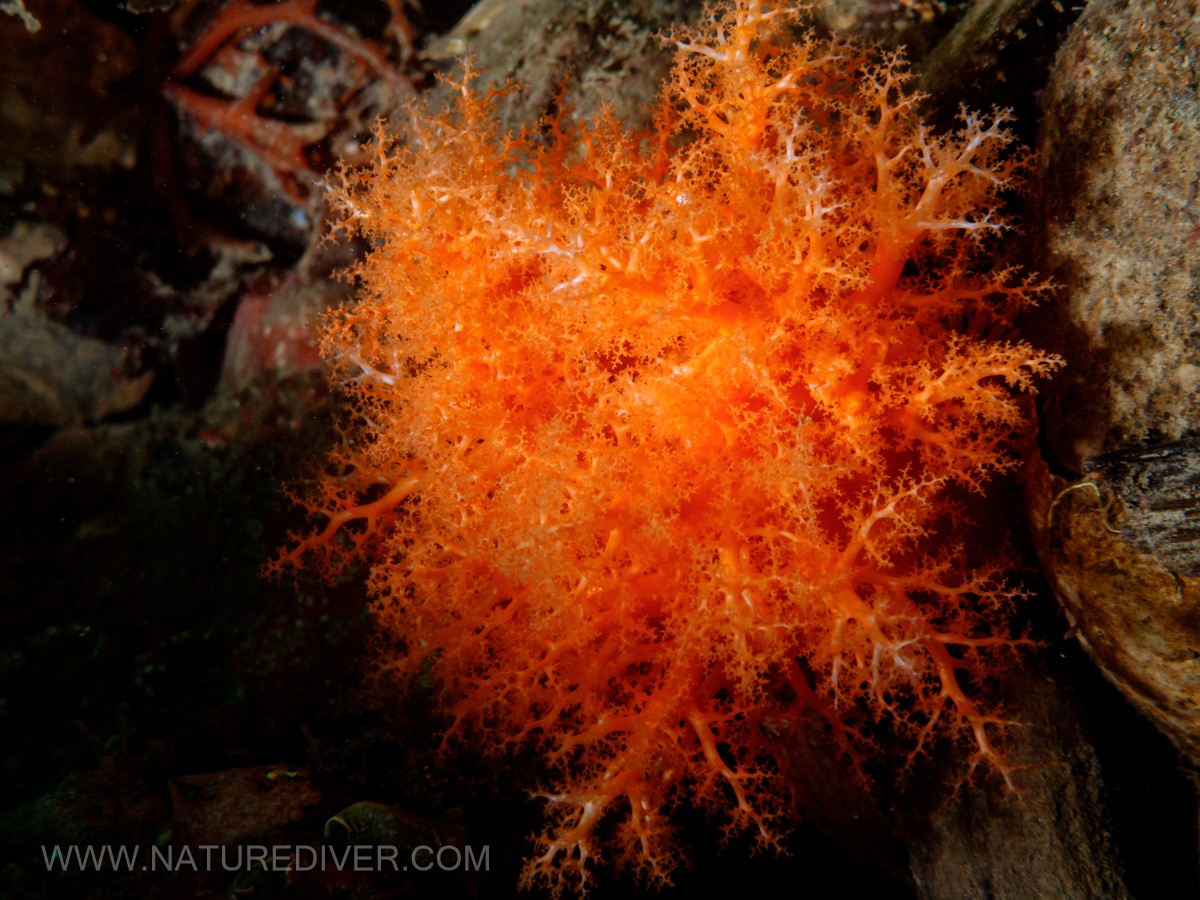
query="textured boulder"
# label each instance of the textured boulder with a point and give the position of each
(1121, 169)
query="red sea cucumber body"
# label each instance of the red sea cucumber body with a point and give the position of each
(656, 432)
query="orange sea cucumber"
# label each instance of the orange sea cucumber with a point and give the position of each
(656, 433)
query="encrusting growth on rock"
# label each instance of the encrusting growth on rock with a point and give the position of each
(656, 435)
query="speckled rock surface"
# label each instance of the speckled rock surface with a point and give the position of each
(1120, 157)
(597, 53)
(1120, 184)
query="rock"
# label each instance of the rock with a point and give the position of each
(1053, 838)
(1120, 548)
(51, 376)
(1120, 158)
(596, 53)
(237, 805)
(61, 100)
(997, 54)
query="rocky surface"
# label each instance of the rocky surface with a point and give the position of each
(1120, 195)
(1120, 535)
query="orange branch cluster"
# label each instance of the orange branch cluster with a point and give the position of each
(658, 434)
